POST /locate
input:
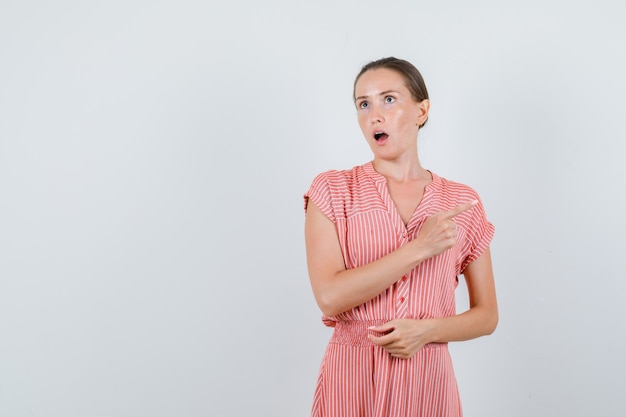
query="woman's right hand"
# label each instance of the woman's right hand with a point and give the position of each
(438, 234)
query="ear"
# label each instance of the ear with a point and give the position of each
(422, 112)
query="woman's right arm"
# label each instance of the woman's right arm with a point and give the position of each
(338, 289)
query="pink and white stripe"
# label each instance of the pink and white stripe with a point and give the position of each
(357, 378)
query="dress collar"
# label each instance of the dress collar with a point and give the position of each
(368, 168)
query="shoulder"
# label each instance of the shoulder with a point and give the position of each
(452, 193)
(343, 174)
(347, 192)
(477, 229)
(341, 179)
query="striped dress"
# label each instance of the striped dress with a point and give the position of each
(358, 378)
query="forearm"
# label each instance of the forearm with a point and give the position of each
(475, 322)
(349, 288)
(338, 289)
(402, 338)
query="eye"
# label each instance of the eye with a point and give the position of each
(363, 105)
(389, 99)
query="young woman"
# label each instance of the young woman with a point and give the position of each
(386, 242)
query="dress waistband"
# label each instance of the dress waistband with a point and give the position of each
(355, 333)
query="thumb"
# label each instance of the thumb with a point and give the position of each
(382, 328)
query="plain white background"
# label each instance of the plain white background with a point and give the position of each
(153, 157)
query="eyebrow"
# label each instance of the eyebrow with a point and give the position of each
(382, 93)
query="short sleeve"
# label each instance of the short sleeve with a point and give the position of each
(479, 232)
(320, 194)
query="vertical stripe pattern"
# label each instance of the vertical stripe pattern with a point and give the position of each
(358, 378)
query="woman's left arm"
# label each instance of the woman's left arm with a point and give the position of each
(404, 337)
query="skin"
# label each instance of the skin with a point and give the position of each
(384, 104)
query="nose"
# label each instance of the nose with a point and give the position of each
(376, 115)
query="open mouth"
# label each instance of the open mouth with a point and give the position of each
(380, 135)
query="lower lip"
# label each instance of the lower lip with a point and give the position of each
(381, 141)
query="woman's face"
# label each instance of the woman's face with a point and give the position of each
(388, 115)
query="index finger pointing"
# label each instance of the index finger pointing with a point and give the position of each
(459, 209)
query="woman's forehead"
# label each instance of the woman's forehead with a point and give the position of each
(379, 80)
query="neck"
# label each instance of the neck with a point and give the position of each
(402, 170)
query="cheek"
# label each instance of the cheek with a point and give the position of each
(407, 119)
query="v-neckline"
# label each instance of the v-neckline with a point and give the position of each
(418, 213)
